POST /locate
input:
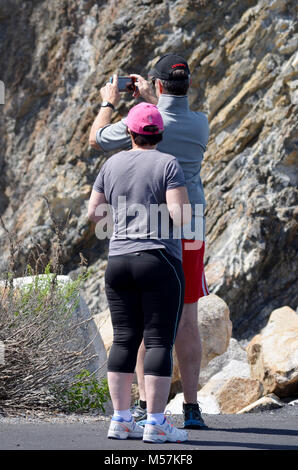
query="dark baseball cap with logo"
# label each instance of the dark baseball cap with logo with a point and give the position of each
(165, 66)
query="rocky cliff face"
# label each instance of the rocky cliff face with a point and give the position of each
(54, 57)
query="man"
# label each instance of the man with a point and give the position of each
(185, 136)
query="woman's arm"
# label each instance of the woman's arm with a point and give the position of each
(96, 200)
(178, 205)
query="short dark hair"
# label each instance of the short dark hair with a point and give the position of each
(179, 85)
(142, 140)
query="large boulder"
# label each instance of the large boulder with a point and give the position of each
(237, 393)
(91, 336)
(242, 381)
(233, 361)
(104, 325)
(213, 395)
(215, 327)
(273, 354)
(215, 330)
(266, 403)
(226, 392)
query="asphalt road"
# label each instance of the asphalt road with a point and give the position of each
(257, 431)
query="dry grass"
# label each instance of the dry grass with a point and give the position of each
(40, 330)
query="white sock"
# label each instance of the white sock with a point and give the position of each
(124, 414)
(157, 417)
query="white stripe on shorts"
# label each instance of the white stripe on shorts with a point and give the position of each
(203, 285)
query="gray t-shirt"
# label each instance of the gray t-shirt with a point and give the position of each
(185, 136)
(134, 183)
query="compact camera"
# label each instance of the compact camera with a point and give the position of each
(126, 84)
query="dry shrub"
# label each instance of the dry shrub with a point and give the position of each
(41, 333)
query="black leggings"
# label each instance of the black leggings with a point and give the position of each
(145, 292)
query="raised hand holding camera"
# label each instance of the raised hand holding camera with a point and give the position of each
(125, 84)
(144, 89)
(135, 84)
(110, 92)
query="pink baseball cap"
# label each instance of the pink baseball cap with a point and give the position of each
(142, 115)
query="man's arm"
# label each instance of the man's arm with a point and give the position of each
(102, 119)
(114, 136)
(111, 94)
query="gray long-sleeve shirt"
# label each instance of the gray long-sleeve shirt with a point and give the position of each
(185, 136)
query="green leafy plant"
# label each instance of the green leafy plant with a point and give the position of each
(43, 286)
(84, 393)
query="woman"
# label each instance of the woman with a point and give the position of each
(144, 277)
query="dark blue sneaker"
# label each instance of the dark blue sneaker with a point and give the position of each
(138, 412)
(192, 416)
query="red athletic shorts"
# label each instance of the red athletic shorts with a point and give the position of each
(193, 267)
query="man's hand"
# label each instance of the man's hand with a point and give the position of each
(110, 92)
(144, 89)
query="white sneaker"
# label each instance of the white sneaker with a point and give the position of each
(163, 432)
(120, 429)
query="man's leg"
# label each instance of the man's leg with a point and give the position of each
(188, 342)
(140, 371)
(139, 410)
(189, 352)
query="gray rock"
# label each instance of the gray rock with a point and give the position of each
(234, 357)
